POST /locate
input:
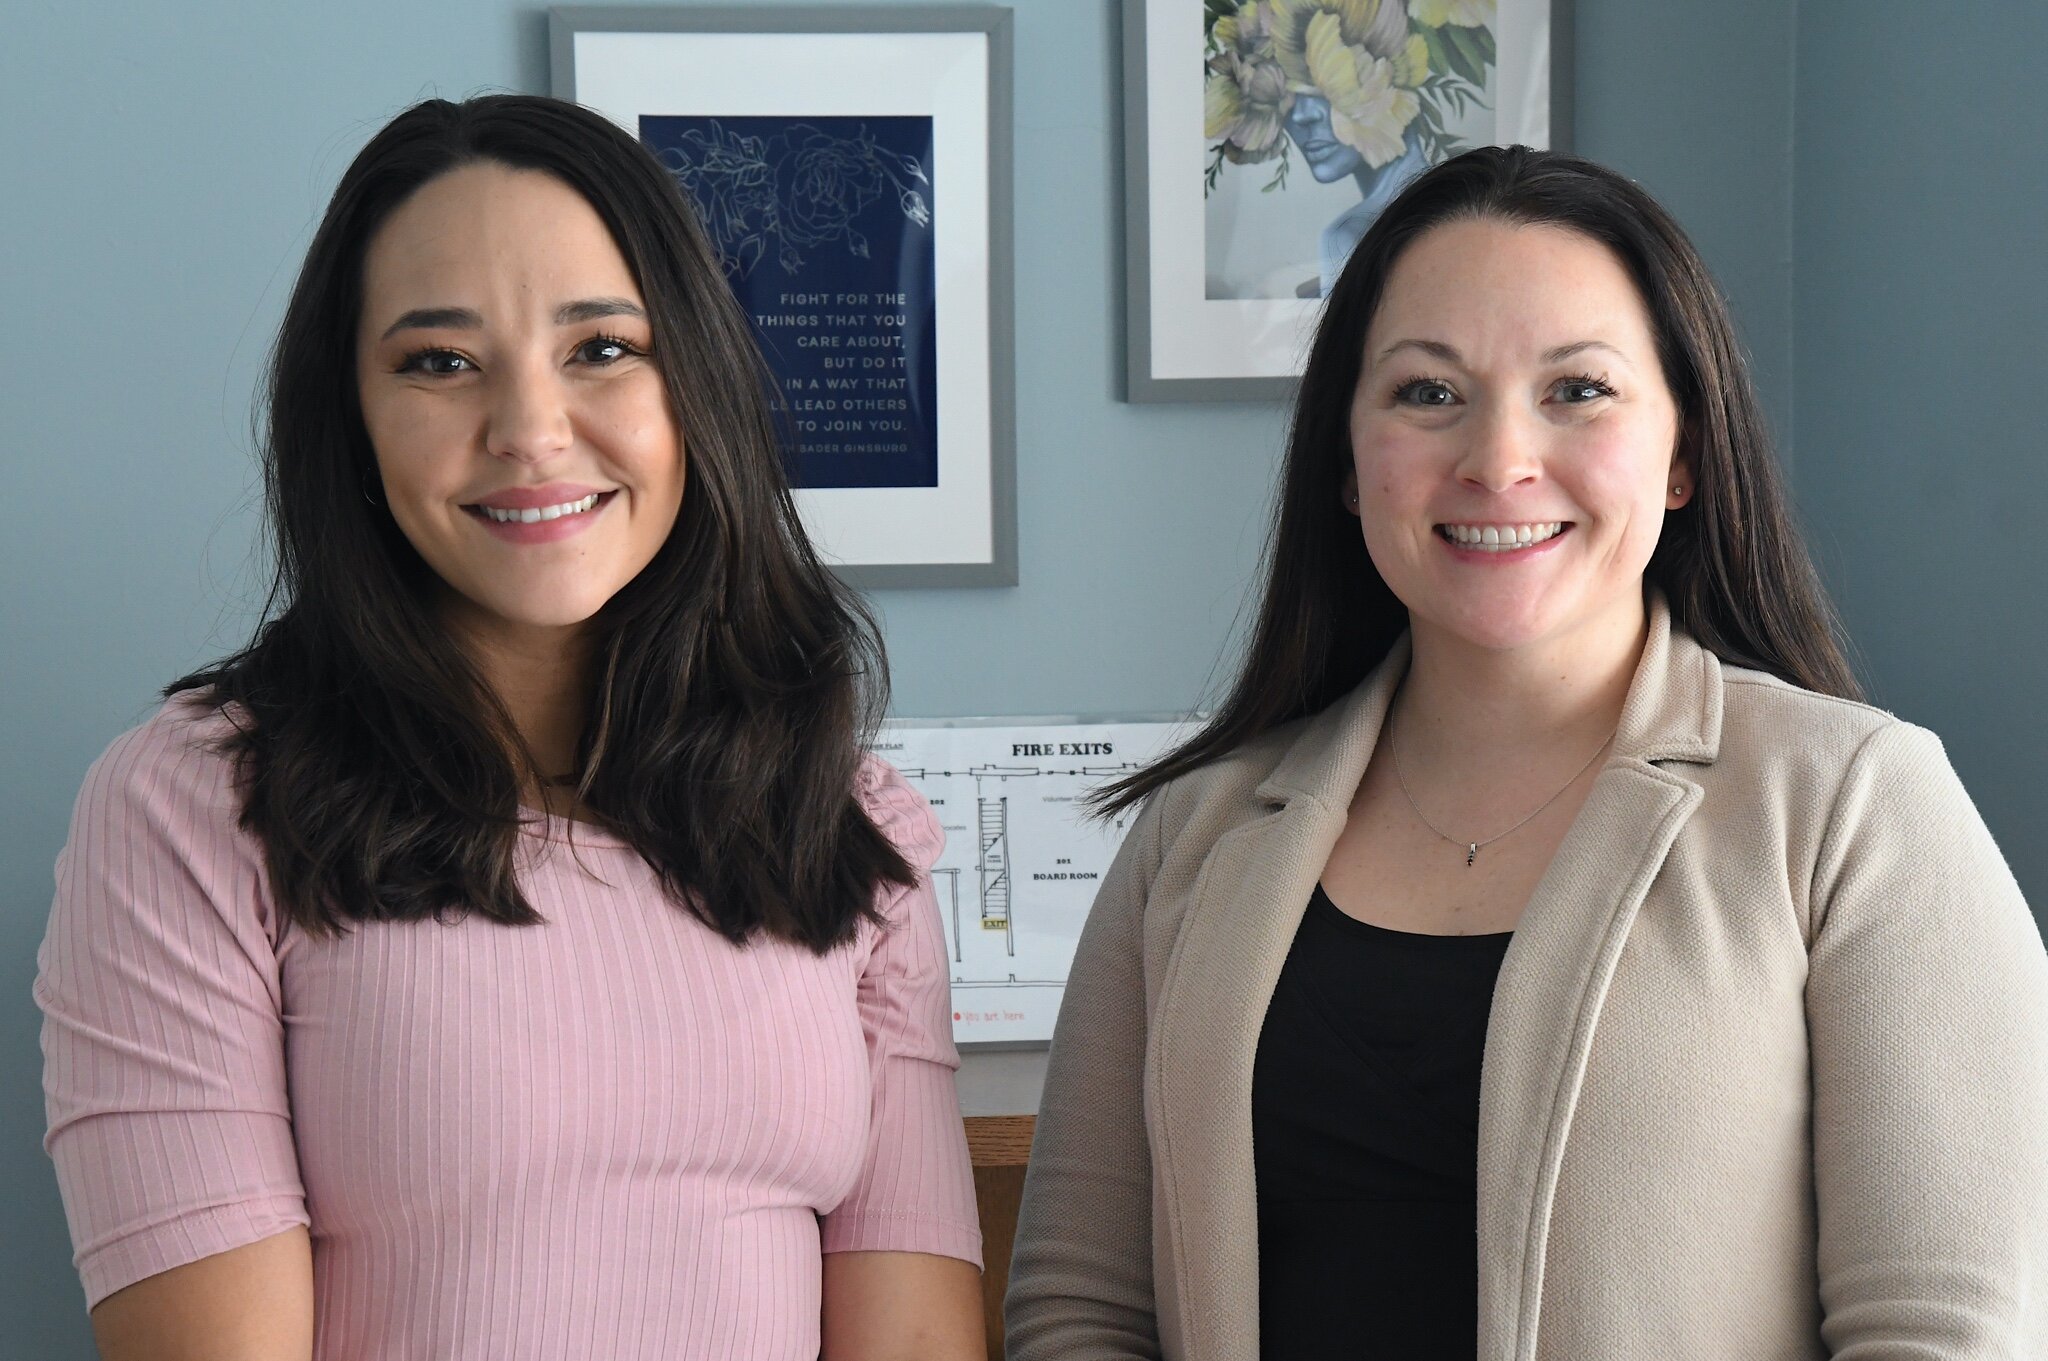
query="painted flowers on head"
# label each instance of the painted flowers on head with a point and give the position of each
(1390, 70)
(1247, 94)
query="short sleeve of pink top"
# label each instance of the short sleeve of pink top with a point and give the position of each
(611, 1135)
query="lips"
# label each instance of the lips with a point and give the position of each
(535, 498)
(531, 516)
(548, 524)
(1518, 539)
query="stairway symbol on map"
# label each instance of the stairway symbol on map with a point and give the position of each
(994, 864)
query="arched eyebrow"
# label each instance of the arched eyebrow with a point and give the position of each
(1564, 352)
(467, 319)
(434, 319)
(1449, 353)
(592, 309)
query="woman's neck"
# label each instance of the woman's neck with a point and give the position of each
(543, 678)
(1461, 703)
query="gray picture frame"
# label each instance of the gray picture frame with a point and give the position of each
(1141, 384)
(995, 24)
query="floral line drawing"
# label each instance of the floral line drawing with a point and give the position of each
(796, 191)
(1388, 70)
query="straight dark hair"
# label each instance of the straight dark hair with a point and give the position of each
(737, 680)
(1730, 563)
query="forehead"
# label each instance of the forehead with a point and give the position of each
(1536, 284)
(485, 232)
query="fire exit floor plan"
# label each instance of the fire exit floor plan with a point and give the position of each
(1022, 859)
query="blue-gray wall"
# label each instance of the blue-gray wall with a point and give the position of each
(163, 167)
(1920, 362)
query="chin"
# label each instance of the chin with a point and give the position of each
(568, 615)
(1502, 639)
(531, 613)
(1498, 630)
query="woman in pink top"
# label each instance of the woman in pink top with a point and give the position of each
(509, 953)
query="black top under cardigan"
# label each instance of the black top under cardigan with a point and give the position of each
(1365, 1140)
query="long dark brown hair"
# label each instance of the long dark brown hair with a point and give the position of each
(1731, 563)
(737, 680)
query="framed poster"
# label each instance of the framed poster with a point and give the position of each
(851, 166)
(1262, 137)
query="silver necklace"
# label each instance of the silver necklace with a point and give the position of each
(1472, 848)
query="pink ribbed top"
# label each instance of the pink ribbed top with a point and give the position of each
(614, 1135)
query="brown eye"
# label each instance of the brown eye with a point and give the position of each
(603, 350)
(436, 363)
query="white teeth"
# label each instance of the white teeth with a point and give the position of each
(1501, 538)
(536, 515)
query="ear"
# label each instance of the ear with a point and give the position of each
(1679, 483)
(1347, 493)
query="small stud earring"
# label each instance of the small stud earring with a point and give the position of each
(1353, 499)
(1678, 491)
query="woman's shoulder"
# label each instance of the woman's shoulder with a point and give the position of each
(184, 748)
(1219, 793)
(1766, 710)
(158, 813)
(1820, 750)
(899, 812)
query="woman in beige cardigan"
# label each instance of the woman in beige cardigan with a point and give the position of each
(1542, 873)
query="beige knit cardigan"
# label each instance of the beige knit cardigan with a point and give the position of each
(1766, 1074)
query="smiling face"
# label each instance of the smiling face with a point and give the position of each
(522, 431)
(1513, 438)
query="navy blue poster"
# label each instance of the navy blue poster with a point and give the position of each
(825, 228)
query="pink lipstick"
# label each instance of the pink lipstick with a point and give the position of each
(543, 514)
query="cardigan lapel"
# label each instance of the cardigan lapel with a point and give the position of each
(1548, 999)
(1226, 958)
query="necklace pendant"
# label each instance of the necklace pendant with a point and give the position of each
(1471, 854)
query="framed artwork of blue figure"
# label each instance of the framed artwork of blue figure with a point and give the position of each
(1332, 161)
(1263, 137)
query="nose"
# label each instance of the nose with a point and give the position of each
(1500, 452)
(1306, 111)
(529, 414)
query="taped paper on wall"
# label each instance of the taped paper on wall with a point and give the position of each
(1022, 859)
